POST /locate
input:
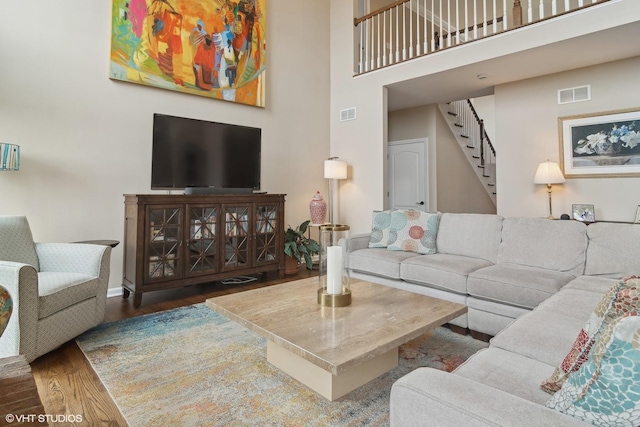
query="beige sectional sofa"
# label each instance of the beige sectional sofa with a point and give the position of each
(533, 283)
(501, 268)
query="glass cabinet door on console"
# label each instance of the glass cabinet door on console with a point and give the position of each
(203, 240)
(237, 234)
(266, 234)
(164, 242)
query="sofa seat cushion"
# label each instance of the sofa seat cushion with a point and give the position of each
(547, 333)
(599, 285)
(507, 371)
(516, 284)
(58, 291)
(379, 261)
(442, 271)
(541, 243)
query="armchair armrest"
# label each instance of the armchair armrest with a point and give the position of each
(72, 257)
(21, 280)
(358, 241)
(428, 396)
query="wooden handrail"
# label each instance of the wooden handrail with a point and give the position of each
(480, 25)
(356, 21)
(479, 120)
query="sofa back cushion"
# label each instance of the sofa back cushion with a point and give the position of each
(613, 250)
(16, 241)
(544, 243)
(472, 235)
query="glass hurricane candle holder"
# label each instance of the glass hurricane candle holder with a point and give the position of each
(334, 289)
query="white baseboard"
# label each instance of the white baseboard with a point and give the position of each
(114, 292)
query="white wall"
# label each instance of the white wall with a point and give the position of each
(362, 142)
(527, 115)
(86, 140)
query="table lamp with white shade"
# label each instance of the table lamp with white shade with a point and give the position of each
(334, 169)
(548, 173)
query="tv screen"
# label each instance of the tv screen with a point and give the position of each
(204, 155)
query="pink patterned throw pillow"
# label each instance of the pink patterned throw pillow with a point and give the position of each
(413, 231)
(622, 299)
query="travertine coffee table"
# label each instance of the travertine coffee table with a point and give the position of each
(335, 350)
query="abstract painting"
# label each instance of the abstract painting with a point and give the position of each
(212, 48)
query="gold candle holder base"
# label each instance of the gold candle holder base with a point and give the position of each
(329, 300)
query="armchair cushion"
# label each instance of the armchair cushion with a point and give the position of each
(57, 291)
(17, 241)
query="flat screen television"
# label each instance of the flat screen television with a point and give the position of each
(204, 157)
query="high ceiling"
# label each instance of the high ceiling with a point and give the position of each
(460, 83)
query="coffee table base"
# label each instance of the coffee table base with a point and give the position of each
(324, 383)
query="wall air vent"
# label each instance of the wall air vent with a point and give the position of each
(574, 94)
(348, 114)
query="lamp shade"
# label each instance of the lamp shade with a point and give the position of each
(548, 173)
(335, 169)
(9, 157)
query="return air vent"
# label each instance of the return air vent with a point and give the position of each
(574, 94)
(348, 114)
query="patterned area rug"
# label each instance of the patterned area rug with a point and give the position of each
(193, 367)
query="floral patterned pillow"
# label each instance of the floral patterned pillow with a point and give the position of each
(605, 390)
(623, 298)
(5, 308)
(380, 227)
(413, 231)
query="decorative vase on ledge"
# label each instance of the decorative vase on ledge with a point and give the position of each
(318, 209)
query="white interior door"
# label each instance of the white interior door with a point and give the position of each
(407, 171)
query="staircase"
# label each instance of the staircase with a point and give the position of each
(468, 129)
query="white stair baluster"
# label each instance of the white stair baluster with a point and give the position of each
(384, 39)
(424, 9)
(530, 12)
(404, 34)
(541, 10)
(554, 8)
(484, 18)
(410, 28)
(440, 45)
(495, 18)
(567, 6)
(397, 35)
(379, 44)
(505, 24)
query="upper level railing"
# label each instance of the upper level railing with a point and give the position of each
(407, 29)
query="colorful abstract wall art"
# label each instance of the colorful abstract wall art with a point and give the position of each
(212, 48)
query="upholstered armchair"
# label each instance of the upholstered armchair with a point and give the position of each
(59, 290)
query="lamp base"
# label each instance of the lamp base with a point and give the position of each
(329, 300)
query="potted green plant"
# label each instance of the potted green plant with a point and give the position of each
(298, 246)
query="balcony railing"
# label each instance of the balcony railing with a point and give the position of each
(407, 29)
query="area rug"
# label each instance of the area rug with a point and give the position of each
(194, 367)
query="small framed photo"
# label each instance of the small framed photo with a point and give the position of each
(637, 220)
(584, 213)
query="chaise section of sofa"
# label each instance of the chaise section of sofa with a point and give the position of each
(500, 385)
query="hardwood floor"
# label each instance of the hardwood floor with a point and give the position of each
(68, 385)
